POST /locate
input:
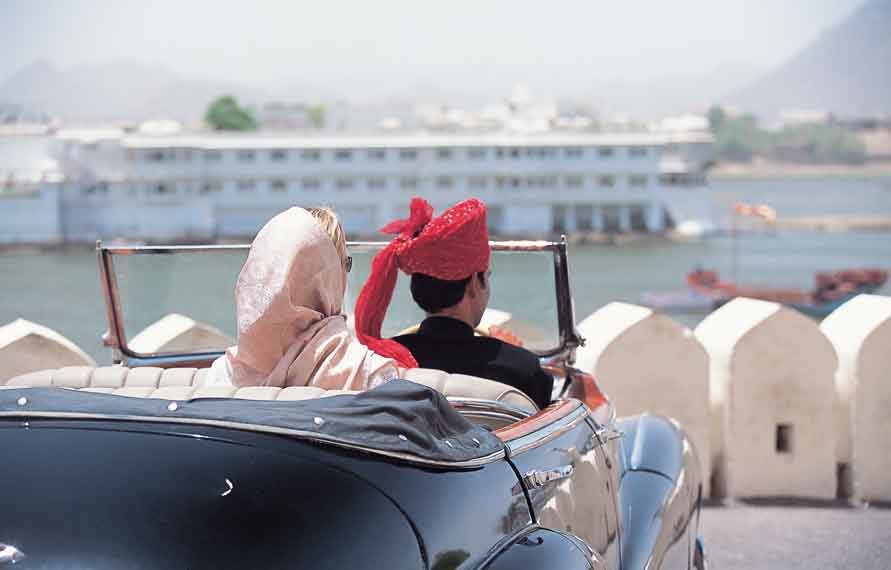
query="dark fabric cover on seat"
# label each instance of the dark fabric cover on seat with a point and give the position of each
(399, 416)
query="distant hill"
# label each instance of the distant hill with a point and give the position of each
(846, 70)
(112, 91)
(671, 95)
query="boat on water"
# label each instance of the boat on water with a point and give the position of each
(706, 291)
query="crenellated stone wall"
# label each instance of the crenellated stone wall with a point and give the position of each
(772, 401)
(647, 362)
(860, 331)
(26, 347)
(178, 333)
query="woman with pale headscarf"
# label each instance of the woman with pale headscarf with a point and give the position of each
(288, 305)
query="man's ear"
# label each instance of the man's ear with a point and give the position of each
(473, 286)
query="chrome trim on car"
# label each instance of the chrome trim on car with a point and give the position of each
(116, 339)
(535, 478)
(494, 407)
(510, 245)
(548, 432)
(258, 428)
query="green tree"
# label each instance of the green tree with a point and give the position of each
(740, 138)
(225, 114)
(316, 115)
(823, 143)
(716, 118)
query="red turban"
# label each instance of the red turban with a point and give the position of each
(451, 247)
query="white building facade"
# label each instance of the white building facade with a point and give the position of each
(195, 187)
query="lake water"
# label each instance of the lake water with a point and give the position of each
(61, 290)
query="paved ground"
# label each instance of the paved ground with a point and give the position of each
(797, 535)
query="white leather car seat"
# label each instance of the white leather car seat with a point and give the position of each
(187, 383)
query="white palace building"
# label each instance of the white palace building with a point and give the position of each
(189, 187)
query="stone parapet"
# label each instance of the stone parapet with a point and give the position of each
(860, 331)
(26, 347)
(772, 401)
(646, 362)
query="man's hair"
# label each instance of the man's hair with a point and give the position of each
(434, 295)
(327, 220)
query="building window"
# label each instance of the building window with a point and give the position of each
(477, 182)
(444, 182)
(606, 181)
(311, 154)
(573, 152)
(344, 184)
(495, 219)
(278, 155)
(246, 155)
(508, 182)
(637, 151)
(246, 185)
(377, 183)
(499, 152)
(574, 181)
(278, 186)
(377, 154)
(311, 183)
(444, 153)
(584, 214)
(210, 186)
(637, 181)
(186, 154)
(606, 151)
(558, 219)
(408, 183)
(515, 153)
(162, 189)
(213, 156)
(155, 156)
(408, 154)
(476, 153)
(343, 154)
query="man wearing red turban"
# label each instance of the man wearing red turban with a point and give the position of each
(448, 261)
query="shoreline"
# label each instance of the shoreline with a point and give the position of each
(760, 168)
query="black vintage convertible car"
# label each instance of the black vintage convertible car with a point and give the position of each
(146, 465)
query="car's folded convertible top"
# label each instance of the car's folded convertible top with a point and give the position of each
(400, 418)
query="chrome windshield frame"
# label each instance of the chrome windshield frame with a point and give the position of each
(116, 338)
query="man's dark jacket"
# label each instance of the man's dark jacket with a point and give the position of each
(448, 344)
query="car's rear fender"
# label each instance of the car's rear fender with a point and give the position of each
(659, 494)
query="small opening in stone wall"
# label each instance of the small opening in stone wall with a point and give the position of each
(785, 437)
(844, 481)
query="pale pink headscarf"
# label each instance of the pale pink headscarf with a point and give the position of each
(288, 301)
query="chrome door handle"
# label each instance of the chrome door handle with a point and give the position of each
(535, 478)
(607, 434)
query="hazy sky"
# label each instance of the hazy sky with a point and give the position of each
(454, 43)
